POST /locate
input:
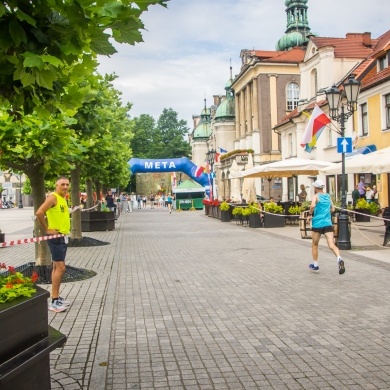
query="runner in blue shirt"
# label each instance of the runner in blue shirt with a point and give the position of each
(321, 223)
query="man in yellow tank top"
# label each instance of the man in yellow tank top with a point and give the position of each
(57, 221)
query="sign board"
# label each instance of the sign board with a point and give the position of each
(6, 185)
(344, 145)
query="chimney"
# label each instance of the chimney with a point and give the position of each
(367, 39)
(217, 100)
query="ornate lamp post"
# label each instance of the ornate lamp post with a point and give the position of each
(340, 111)
(210, 155)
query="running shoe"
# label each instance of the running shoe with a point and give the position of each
(57, 307)
(313, 268)
(341, 267)
(63, 302)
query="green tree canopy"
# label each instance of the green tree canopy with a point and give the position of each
(164, 139)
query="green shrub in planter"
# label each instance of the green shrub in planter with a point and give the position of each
(374, 208)
(224, 206)
(273, 208)
(295, 210)
(237, 211)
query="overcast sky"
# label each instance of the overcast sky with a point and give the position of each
(187, 48)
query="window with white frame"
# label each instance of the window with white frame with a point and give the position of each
(364, 118)
(382, 63)
(329, 137)
(314, 82)
(387, 110)
(292, 94)
(290, 144)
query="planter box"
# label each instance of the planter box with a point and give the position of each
(362, 218)
(26, 342)
(254, 221)
(225, 216)
(273, 220)
(97, 221)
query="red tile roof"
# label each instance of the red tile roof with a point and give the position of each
(295, 55)
(350, 47)
(295, 113)
(373, 78)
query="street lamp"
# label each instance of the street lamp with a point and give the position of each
(338, 113)
(210, 155)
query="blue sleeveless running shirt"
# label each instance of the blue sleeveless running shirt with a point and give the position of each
(322, 216)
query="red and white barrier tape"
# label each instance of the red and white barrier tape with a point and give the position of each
(29, 240)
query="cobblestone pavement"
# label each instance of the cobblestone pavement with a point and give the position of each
(183, 301)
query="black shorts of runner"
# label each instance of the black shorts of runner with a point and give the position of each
(57, 248)
(323, 230)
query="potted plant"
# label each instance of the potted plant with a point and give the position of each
(294, 212)
(374, 208)
(245, 214)
(271, 218)
(363, 207)
(237, 212)
(92, 221)
(254, 216)
(26, 338)
(225, 211)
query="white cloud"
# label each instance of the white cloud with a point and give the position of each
(187, 48)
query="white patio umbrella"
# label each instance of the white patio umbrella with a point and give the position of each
(235, 185)
(292, 167)
(375, 162)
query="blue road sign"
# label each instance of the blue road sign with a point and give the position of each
(344, 145)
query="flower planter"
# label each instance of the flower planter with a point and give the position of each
(362, 218)
(273, 220)
(97, 221)
(254, 221)
(225, 216)
(26, 342)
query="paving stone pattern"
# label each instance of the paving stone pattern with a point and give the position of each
(183, 301)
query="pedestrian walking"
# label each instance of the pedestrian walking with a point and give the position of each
(110, 204)
(169, 203)
(321, 220)
(152, 198)
(139, 201)
(57, 213)
(129, 204)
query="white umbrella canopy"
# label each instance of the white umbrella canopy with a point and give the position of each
(288, 168)
(235, 186)
(375, 162)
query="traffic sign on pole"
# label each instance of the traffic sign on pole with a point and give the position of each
(344, 145)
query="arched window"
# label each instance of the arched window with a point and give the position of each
(292, 94)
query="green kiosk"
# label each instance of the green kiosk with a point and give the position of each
(189, 194)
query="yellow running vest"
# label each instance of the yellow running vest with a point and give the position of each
(58, 216)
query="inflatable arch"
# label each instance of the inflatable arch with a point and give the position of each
(138, 165)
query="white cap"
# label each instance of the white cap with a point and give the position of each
(318, 184)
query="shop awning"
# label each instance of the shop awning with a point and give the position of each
(362, 150)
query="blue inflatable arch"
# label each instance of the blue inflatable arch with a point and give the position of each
(138, 165)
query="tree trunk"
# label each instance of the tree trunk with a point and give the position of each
(98, 188)
(89, 193)
(75, 232)
(37, 180)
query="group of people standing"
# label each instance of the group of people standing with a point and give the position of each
(362, 190)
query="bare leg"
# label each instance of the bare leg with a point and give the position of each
(314, 244)
(330, 240)
(56, 277)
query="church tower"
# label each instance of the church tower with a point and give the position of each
(297, 26)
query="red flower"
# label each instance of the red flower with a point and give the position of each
(34, 277)
(11, 269)
(9, 285)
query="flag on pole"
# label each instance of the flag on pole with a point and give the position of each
(217, 157)
(317, 123)
(222, 150)
(199, 171)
